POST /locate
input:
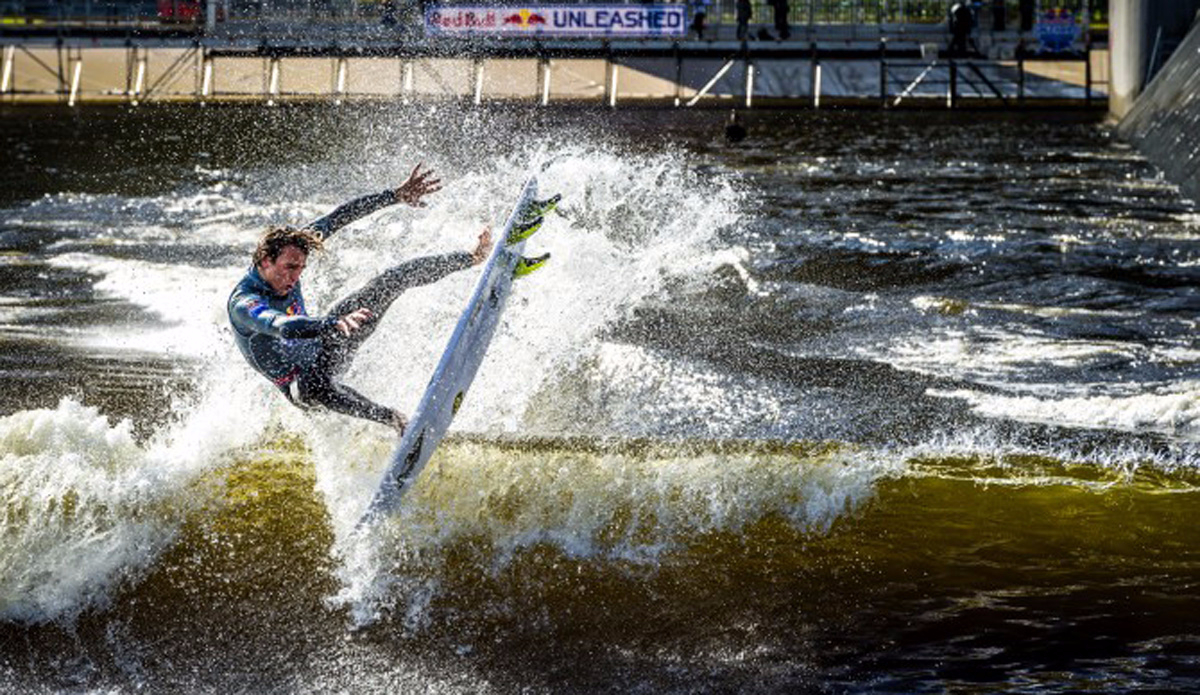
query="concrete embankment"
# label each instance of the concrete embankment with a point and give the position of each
(1164, 123)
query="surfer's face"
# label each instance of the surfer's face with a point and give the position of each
(283, 272)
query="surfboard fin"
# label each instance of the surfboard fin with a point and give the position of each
(522, 232)
(539, 208)
(525, 266)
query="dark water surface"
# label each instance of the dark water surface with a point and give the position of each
(870, 402)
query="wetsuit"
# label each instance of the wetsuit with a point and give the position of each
(305, 356)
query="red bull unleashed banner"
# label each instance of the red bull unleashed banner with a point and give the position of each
(544, 21)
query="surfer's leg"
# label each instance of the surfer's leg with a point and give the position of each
(378, 294)
(325, 392)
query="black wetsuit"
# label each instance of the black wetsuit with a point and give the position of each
(305, 356)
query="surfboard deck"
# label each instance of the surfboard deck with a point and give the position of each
(457, 368)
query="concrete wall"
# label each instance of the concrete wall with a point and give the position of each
(1135, 26)
(1164, 123)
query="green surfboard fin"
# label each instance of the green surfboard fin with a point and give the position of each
(525, 266)
(540, 208)
(522, 232)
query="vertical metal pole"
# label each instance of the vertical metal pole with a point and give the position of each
(139, 80)
(817, 86)
(883, 72)
(340, 85)
(1087, 70)
(199, 74)
(406, 82)
(10, 53)
(206, 82)
(749, 84)
(273, 81)
(608, 76)
(544, 64)
(747, 72)
(816, 75)
(62, 76)
(478, 88)
(678, 75)
(77, 69)
(1020, 74)
(614, 68)
(952, 94)
(130, 60)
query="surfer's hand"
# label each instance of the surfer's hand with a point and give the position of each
(354, 320)
(418, 185)
(483, 248)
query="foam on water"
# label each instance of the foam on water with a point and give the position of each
(625, 506)
(187, 301)
(86, 507)
(1173, 409)
(988, 457)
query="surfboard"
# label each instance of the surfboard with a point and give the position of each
(458, 365)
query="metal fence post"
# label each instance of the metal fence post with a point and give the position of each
(883, 72)
(952, 95)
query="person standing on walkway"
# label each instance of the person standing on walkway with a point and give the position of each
(782, 30)
(699, 15)
(743, 19)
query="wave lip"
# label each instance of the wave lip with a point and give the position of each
(628, 503)
(1173, 410)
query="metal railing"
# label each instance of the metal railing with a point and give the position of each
(989, 14)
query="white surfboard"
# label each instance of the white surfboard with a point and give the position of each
(455, 371)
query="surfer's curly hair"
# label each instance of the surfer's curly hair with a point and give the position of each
(279, 238)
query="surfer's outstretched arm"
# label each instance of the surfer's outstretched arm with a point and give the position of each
(418, 185)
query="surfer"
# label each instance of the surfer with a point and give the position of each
(306, 356)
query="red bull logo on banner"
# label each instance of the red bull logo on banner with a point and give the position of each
(558, 20)
(525, 18)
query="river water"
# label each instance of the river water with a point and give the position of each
(869, 402)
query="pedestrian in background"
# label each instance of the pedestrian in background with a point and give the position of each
(699, 16)
(782, 29)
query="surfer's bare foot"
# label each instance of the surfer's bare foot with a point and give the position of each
(399, 421)
(483, 248)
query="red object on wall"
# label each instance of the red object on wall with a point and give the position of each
(180, 10)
